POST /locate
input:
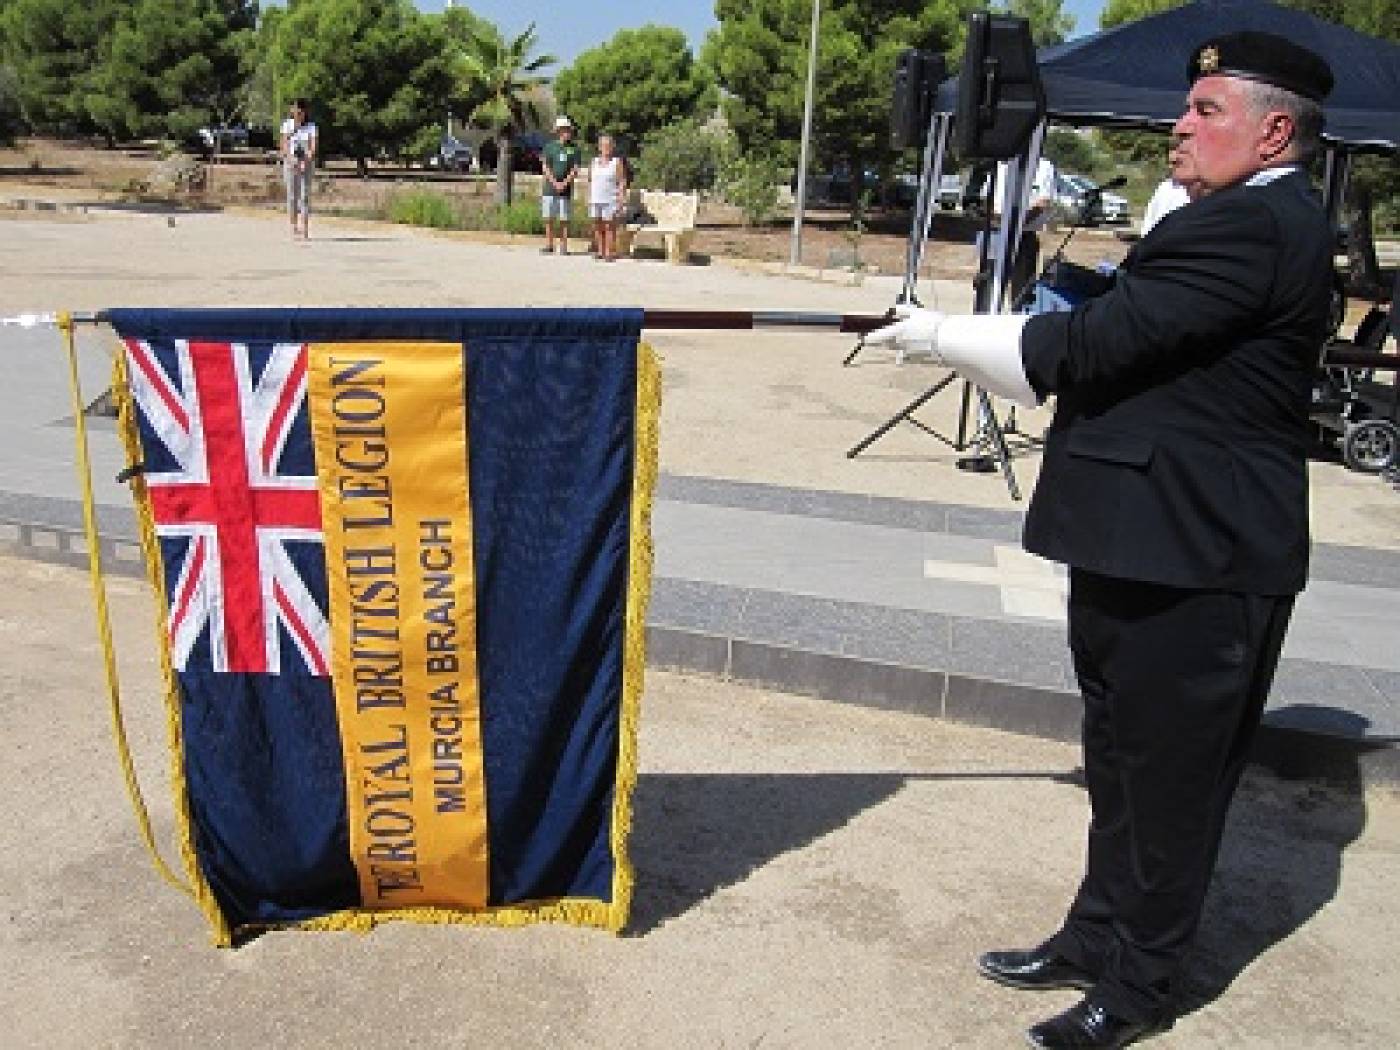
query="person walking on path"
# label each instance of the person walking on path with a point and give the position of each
(1175, 487)
(561, 159)
(607, 189)
(298, 152)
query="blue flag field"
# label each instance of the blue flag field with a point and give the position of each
(405, 557)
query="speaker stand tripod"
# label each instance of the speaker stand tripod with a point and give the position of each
(988, 440)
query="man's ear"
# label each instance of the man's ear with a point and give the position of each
(1275, 134)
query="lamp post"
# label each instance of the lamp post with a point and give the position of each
(796, 256)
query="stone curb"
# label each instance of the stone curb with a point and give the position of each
(1047, 713)
(1287, 752)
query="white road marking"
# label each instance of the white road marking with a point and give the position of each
(1029, 586)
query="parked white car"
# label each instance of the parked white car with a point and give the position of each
(1071, 191)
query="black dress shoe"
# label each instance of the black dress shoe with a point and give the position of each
(1036, 970)
(1088, 1025)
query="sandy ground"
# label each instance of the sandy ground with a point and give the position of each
(810, 875)
(770, 407)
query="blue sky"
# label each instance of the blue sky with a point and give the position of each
(567, 29)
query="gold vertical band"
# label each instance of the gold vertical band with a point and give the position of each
(391, 454)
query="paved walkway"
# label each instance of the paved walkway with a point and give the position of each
(787, 579)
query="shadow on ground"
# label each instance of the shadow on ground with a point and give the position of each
(698, 833)
(352, 240)
(1280, 864)
(27, 172)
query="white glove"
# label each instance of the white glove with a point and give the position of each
(913, 334)
(983, 348)
(30, 320)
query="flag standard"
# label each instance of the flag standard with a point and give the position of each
(405, 557)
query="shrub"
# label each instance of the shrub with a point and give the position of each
(522, 216)
(751, 185)
(424, 208)
(11, 120)
(682, 156)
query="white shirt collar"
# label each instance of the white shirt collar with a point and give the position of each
(1268, 175)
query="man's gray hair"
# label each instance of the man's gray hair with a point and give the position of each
(1305, 113)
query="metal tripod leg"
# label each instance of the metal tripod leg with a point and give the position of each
(962, 416)
(997, 438)
(905, 415)
(860, 345)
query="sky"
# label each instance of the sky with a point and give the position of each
(567, 29)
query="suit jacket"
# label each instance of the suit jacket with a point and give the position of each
(1177, 454)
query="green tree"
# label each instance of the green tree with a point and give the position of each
(1379, 18)
(378, 74)
(459, 25)
(1050, 22)
(1116, 12)
(505, 75)
(52, 48)
(640, 80)
(759, 53)
(173, 66)
(1379, 176)
(1071, 151)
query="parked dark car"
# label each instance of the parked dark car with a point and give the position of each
(526, 152)
(452, 154)
(839, 188)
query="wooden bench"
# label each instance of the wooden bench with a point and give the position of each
(675, 223)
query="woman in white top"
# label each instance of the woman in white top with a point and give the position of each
(298, 149)
(607, 188)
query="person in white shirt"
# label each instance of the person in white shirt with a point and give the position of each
(298, 151)
(1026, 263)
(1167, 197)
(1042, 195)
(607, 187)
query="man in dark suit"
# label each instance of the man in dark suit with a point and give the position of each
(1174, 485)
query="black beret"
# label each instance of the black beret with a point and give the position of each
(1266, 57)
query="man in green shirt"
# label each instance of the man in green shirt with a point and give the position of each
(560, 167)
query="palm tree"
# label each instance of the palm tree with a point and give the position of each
(503, 76)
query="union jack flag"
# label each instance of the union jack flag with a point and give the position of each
(232, 482)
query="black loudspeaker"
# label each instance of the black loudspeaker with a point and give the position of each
(916, 78)
(1000, 98)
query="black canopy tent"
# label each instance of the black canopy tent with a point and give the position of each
(1134, 75)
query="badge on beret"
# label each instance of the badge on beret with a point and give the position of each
(1209, 60)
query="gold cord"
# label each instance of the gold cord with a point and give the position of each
(104, 624)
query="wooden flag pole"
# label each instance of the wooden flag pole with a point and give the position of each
(657, 320)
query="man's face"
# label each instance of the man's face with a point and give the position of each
(565, 134)
(1219, 140)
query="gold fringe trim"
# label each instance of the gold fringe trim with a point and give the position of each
(198, 887)
(634, 659)
(575, 911)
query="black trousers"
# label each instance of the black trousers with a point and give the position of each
(1174, 683)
